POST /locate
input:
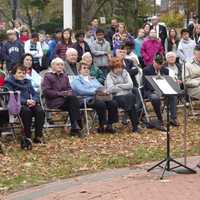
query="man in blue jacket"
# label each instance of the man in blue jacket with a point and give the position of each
(12, 50)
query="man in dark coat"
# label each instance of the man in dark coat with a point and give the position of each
(81, 46)
(111, 31)
(152, 70)
(160, 29)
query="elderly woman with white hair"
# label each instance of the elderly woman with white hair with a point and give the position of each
(94, 70)
(58, 94)
(71, 58)
(175, 71)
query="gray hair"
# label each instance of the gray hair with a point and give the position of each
(57, 60)
(170, 53)
(86, 54)
(71, 50)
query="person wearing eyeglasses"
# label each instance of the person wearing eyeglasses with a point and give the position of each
(87, 86)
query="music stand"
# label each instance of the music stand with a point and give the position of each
(167, 87)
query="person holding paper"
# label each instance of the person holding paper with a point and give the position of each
(157, 69)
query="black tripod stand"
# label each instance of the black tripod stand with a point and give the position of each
(168, 158)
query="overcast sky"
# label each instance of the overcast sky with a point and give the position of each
(158, 2)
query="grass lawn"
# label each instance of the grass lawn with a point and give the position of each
(64, 156)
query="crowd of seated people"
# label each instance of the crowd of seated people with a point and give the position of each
(106, 67)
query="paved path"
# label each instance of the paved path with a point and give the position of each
(119, 184)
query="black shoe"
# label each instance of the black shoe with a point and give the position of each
(75, 132)
(101, 130)
(110, 129)
(173, 122)
(136, 130)
(39, 140)
(26, 143)
(162, 128)
(75, 126)
(124, 120)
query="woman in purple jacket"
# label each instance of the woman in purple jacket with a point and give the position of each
(58, 94)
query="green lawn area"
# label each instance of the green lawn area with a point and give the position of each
(64, 156)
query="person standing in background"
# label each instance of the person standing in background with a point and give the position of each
(192, 26)
(56, 38)
(94, 27)
(185, 47)
(101, 51)
(171, 43)
(147, 28)
(33, 46)
(161, 30)
(138, 45)
(111, 31)
(12, 50)
(196, 34)
(65, 43)
(151, 47)
(81, 45)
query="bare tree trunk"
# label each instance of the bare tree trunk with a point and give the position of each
(30, 21)
(77, 4)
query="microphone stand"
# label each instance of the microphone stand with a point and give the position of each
(185, 114)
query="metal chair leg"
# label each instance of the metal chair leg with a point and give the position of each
(86, 116)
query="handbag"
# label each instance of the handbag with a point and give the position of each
(14, 103)
(102, 95)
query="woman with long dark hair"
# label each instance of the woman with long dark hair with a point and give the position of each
(65, 43)
(31, 74)
(171, 43)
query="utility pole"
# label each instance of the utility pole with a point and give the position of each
(67, 13)
(154, 3)
(14, 6)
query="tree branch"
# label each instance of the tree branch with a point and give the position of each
(99, 8)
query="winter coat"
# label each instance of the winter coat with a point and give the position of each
(100, 51)
(24, 86)
(85, 88)
(192, 77)
(150, 48)
(119, 84)
(98, 74)
(185, 50)
(53, 87)
(12, 53)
